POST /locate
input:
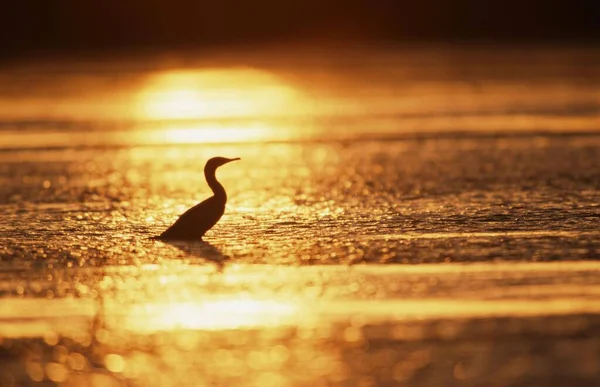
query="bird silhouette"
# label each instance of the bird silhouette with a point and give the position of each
(195, 222)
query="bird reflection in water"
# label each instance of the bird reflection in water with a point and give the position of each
(200, 249)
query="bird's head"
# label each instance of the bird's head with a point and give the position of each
(216, 162)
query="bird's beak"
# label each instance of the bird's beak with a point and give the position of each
(230, 160)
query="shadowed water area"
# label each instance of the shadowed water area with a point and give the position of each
(406, 217)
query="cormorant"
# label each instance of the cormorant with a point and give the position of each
(195, 222)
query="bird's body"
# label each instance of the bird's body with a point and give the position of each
(195, 222)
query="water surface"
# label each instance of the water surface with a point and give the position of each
(480, 166)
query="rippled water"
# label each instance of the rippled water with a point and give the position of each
(370, 201)
(478, 165)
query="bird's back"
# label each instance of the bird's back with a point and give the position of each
(195, 222)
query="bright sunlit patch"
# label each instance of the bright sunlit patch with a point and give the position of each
(214, 314)
(212, 134)
(215, 93)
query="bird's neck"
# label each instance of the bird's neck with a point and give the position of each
(214, 184)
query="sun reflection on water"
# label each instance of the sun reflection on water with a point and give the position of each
(212, 315)
(222, 105)
(215, 134)
(215, 93)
